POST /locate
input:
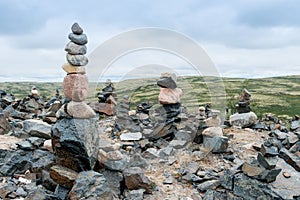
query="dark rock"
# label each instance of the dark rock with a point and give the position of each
(61, 192)
(98, 187)
(215, 144)
(267, 162)
(162, 131)
(16, 162)
(251, 189)
(212, 195)
(6, 189)
(75, 143)
(63, 176)
(135, 179)
(114, 180)
(269, 151)
(77, 60)
(213, 184)
(137, 161)
(75, 49)
(292, 138)
(295, 147)
(178, 144)
(25, 145)
(295, 125)
(48, 182)
(4, 125)
(76, 29)
(113, 160)
(279, 135)
(226, 179)
(167, 82)
(36, 141)
(37, 128)
(78, 39)
(41, 194)
(41, 160)
(290, 158)
(260, 126)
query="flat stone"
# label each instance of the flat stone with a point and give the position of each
(103, 108)
(292, 138)
(213, 131)
(279, 135)
(286, 187)
(136, 194)
(178, 144)
(80, 110)
(167, 82)
(212, 184)
(135, 179)
(131, 136)
(252, 170)
(75, 142)
(75, 49)
(91, 185)
(267, 162)
(269, 151)
(63, 176)
(151, 153)
(243, 120)
(290, 158)
(70, 69)
(37, 128)
(215, 144)
(76, 29)
(113, 160)
(75, 87)
(25, 145)
(295, 125)
(78, 39)
(77, 60)
(169, 96)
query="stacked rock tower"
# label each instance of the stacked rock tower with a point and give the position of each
(75, 134)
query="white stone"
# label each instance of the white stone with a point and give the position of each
(243, 119)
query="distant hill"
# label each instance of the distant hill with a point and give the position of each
(278, 95)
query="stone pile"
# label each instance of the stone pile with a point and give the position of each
(244, 117)
(106, 100)
(75, 134)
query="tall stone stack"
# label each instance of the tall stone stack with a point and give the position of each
(165, 116)
(75, 134)
(169, 96)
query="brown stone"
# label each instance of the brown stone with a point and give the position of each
(63, 176)
(70, 69)
(80, 110)
(106, 108)
(169, 96)
(76, 87)
(135, 179)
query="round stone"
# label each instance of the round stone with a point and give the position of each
(78, 39)
(77, 60)
(76, 29)
(80, 110)
(70, 69)
(75, 49)
(75, 87)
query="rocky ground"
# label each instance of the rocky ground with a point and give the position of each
(141, 157)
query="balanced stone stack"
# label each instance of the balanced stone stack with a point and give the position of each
(75, 134)
(169, 95)
(106, 100)
(244, 117)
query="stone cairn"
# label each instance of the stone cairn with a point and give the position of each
(75, 134)
(106, 100)
(243, 105)
(165, 115)
(244, 117)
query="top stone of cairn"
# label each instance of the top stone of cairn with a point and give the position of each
(76, 29)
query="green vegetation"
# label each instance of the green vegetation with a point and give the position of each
(278, 95)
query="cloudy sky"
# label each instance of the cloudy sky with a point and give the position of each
(249, 38)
